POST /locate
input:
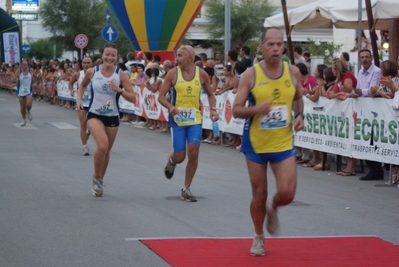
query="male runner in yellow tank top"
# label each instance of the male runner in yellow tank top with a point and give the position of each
(185, 118)
(273, 90)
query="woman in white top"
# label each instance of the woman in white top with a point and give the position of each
(107, 83)
(24, 79)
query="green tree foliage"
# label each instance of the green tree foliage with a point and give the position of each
(43, 49)
(67, 18)
(247, 17)
(325, 49)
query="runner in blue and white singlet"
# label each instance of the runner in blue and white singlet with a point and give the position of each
(107, 84)
(104, 101)
(24, 79)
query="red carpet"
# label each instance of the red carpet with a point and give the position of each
(309, 252)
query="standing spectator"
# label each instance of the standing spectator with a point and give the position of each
(298, 55)
(364, 43)
(204, 59)
(306, 56)
(368, 77)
(245, 58)
(308, 83)
(217, 59)
(130, 61)
(284, 56)
(316, 161)
(148, 60)
(345, 57)
(345, 81)
(103, 115)
(389, 81)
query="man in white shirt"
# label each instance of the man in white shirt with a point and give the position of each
(368, 76)
(298, 55)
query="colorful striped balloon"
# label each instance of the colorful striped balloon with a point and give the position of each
(155, 25)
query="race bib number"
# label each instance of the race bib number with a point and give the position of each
(25, 89)
(277, 118)
(186, 115)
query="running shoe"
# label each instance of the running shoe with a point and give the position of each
(258, 246)
(97, 187)
(272, 222)
(86, 151)
(187, 196)
(88, 134)
(169, 169)
(23, 123)
(29, 115)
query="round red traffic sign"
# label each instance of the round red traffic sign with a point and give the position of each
(81, 41)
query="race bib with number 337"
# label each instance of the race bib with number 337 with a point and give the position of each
(277, 118)
(186, 115)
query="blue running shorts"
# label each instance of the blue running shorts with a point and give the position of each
(181, 134)
(263, 158)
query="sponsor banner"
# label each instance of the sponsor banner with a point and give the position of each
(25, 4)
(224, 107)
(25, 16)
(363, 128)
(11, 47)
(63, 91)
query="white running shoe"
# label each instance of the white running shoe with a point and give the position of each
(258, 246)
(86, 151)
(272, 223)
(186, 195)
(23, 123)
(97, 187)
(29, 115)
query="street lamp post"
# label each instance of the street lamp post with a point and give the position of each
(227, 26)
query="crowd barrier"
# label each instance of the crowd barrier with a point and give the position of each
(363, 128)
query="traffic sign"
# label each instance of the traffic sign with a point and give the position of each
(109, 33)
(25, 49)
(81, 41)
(107, 17)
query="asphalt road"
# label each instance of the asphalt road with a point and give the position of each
(48, 216)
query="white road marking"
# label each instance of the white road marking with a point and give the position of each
(63, 125)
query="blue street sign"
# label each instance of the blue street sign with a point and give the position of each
(107, 17)
(25, 49)
(109, 33)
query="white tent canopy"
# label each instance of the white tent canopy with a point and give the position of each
(341, 13)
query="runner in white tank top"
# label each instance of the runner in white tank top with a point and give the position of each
(103, 116)
(82, 113)
(24, 79)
